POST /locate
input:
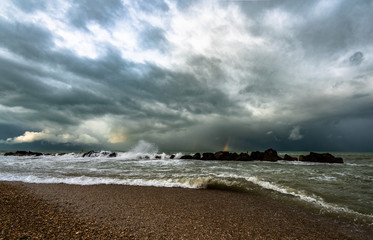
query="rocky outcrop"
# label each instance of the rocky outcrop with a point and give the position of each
(271, 155)
(268, 155)
(222, 155)
(23, 153)
(197, 156)
(90, 154)
(290, 158)
(320, 157)
(113, 154)
(97, 154)
(257, 155)
(187, 157)
(244, 157)
(208, 156)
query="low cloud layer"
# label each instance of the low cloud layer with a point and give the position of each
(294, 75)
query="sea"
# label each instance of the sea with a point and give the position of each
(344, 190)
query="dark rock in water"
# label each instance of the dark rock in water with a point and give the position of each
(290, 158)
(172, 156)
(113, 154)
(158, 157)
(90, 154)
(233, 156)
(271, 155)
(186, 157)
(222, 155)
(244, 157)
(257, 155)
(23, 153)
(320, 157)
(197, 156)
(208, 156)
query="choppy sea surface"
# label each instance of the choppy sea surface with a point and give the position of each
(342, 189)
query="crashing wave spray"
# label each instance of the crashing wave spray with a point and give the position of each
(142, 149)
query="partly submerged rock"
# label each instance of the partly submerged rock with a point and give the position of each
(90, 154)
(186, 157)
(320, 157)
(257, 155)
(271, 155)
(197, 156)
(23, 153)
(290, 158)
(244, 157)
(222, 155)
(208, 156)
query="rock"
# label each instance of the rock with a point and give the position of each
(233, 156)
(271, 155)
(23, 153)
(208, 156)
(172, 156)
(186, 157)
(257, 155)
(244, 157)
(113, 154)
(290, 158)
(320, 157)
(158, 157)
(222, 155)
(197, 156)
(90, 154)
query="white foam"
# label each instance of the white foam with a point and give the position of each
(304, 196)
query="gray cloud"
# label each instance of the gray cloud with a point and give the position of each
(295, 134)
(284, 64)
(155, 5)
(101, 12)
(154, 38)
(31, 5)
(356, 58)
(26, 39)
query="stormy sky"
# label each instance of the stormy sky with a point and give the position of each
(186, 75)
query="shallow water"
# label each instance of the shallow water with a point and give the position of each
(339, 188)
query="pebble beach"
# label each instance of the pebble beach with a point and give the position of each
(62, 211)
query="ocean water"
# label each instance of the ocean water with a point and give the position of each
(341, 189)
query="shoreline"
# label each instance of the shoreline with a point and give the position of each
(137, 212)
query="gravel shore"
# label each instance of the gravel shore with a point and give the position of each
(61, 211)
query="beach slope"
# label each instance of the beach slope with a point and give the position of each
(50, 211)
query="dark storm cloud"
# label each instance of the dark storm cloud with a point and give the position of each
(346, 26)
(107, 85)
(101, 12)
(28, 40)
(300, 81)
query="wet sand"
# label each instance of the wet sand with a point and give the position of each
(61, 211)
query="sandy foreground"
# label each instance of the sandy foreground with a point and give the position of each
(61, 211)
